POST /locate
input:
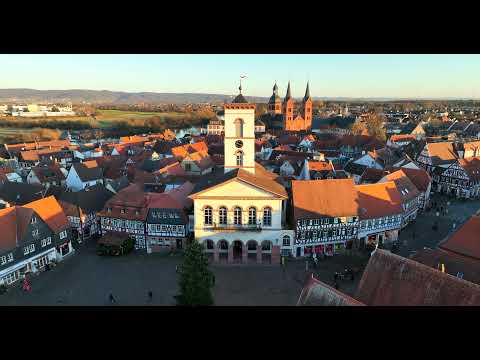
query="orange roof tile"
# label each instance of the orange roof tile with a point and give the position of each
(378, 200)
(466, 240)
(51, 212)
(322, 198)
(319, 166)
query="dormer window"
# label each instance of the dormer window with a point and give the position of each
(122, 211)
(34, 220)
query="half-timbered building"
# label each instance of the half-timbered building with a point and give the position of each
(380, 213)
(325, 214)
(461, 179)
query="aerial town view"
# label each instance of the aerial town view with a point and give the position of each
(239, 180)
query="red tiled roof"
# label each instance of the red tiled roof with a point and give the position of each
(402, 137)
(390, 279)
(419, 177)
(13, 224)
(406, 188)
(51, 212)
(319, 166)
(332, 197)
(472, 167)
(183, 150)
(466, 240)
(441, 152)
(317, 293)
(378, 200)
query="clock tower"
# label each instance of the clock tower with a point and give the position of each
(239, 135)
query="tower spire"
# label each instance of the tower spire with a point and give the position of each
(307, 92)
(289, 94)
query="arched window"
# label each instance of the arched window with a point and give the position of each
(238, 128)
(267, 216)
(252, 216)
(207, 212)
(239, 156)
(237, 216)
(286, 240)
(222, 216)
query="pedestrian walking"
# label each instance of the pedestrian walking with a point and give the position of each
(150, 296)
(335, 277)
(112, 299)
(336, 285)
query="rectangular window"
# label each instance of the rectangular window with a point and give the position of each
(34, 220)
(44, 242)
(10, 257)
(63, 234)
(26, 250)
(32, 248)
(3, 260)
(35, 232)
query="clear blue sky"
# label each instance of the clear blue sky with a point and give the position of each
(410, 76)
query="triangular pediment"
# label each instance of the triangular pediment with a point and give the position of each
(235, 188)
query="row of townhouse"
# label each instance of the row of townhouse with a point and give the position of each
(33, 235)
(156, 221)
(332, 214)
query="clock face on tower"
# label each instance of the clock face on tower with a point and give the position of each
(239, 143)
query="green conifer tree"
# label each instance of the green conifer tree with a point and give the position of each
(196, 280)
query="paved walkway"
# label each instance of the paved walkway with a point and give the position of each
(420, 234)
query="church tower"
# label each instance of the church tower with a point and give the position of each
(275, 103)
(288, 104)
(239, 144)
(307, 108)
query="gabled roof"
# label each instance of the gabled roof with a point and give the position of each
(317, 293)
(472, 167)
(51, 212)
(453, 263)
(88, 170)
(324, 198)
(319, 166)
(441, 153)
(378, 200)
(90, 200)
(466, 240)
(48, 173)
(13, 224)
(405, 187)
(262, 179)
(372, 175)
(390, 279)
(419, 177)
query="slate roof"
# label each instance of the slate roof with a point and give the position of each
(90, 200)
(20, 193)
(390, 279)
(88, 170)
(239, 99)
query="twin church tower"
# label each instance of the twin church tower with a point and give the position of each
(293, 119)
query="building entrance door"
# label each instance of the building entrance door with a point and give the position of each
(237, 250)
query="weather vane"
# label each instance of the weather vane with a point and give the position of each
(240, 87)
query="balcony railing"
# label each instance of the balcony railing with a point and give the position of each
(234, 227)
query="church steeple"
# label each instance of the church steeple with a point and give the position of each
(307, 93)
(275, 103)
(289, 94)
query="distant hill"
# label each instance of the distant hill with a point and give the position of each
(112, 97)
(120, 97)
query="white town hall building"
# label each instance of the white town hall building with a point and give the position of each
(240, 215)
